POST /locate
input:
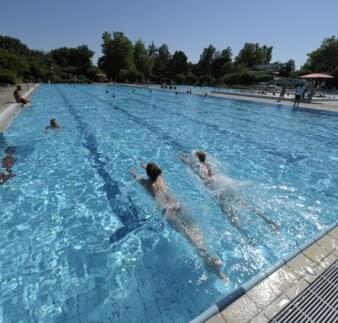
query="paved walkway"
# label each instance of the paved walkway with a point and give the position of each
(317, 104)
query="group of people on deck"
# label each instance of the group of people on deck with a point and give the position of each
(220, 187)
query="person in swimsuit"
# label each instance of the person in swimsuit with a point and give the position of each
(8, 162)
(18, 96)
(5, 177)
(53, 125)
(222, 189)
(176, 215)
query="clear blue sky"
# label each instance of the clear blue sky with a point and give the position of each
(293, 27)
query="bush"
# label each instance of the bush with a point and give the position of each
(191, 79)
(246, 77)
(130, 76)
(8, 77)
(179, 79)
(206, 79)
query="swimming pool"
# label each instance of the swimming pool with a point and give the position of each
(82, 242)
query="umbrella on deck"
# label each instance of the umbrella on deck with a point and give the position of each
(317, 76)
(314, 77)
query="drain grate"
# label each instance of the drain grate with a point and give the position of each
(318, 303)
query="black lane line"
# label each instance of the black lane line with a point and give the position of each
(128, 213)
(160, 134)
(288, 157)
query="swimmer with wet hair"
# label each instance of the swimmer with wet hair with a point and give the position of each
(176, 215)
(222, 189)
(53, 124)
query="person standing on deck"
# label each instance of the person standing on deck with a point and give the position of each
(298, 95)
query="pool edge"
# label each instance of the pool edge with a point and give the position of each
(221, 305)
(13, 110)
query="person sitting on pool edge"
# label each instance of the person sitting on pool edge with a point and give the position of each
(53, 125)
(176, 215)
(18, 96)
(223, 189)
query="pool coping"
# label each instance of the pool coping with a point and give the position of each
(236, 303)
(13, 110)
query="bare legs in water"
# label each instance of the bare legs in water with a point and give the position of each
(227, 198)
(177, 217)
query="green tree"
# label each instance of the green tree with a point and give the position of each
(14, 46)
(222, 63)
(204, 65)
(161, 62)
(71, 63)
(117, 54)
(152, 50)
(179, 64)
(142, 59)
(325, 58)
(254, 54)
(13, 62)
(287, 68)
(190, 78)
(80, 56)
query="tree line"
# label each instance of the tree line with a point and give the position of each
(125, 61)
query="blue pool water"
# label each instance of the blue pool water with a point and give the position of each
(82, 242)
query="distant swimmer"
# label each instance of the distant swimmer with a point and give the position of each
(53, 125)
(8, 162)
(19, 97)
(222, 188)
(175, 214)
(5, 177)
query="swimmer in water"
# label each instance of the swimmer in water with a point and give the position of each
(176, 215)
(222, 189)
(8, 162)
(5, 177)
(53, 125)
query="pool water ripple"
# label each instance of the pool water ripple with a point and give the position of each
(81, 242)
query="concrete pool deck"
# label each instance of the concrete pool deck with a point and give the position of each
(8, 107)
(264, 301)
(317, 104)
(325, 105)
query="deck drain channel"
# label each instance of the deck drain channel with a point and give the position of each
(317, 303)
